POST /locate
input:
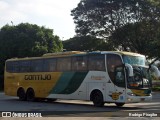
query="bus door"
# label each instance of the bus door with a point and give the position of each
(116, 84)
(120, 84)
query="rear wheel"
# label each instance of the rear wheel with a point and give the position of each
(119, 104)
(97, 98)
(21, 94)
(30, 95)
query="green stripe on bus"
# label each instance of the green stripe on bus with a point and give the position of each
(69, 82)
(63, 82)
(74, 83)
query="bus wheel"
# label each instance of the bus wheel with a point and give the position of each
(21, 94)
(30, 95)
(51, 99)
(119, 104)
(97, 98)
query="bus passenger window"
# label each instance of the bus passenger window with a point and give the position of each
(96, 62)
(64, 64)
(25, 66)
(37, 66)
(9, 66)
(113, 61)
(15, 67)
(50, 65)
(79, 63)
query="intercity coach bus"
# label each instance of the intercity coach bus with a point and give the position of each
(101, 76)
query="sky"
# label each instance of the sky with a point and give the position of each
(53, 14)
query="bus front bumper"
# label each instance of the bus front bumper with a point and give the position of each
(132, 99)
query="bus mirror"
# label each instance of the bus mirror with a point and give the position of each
(130, 69)
(156, 71)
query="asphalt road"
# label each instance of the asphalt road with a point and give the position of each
(77, 108)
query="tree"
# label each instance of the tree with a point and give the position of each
(86, 43)
(142, 37)
(26, 40)
(130, 24)
(102, 17)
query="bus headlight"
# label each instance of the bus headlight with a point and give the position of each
(131, 94)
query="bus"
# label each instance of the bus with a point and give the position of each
(101, 77)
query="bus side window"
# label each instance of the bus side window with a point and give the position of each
(64, 64)
(113, 61)
(50, 65)
(9, 66)
(25, 66)
(16, 66)
(12, 66)
(37, 65)
(79, 63)
(96, 62)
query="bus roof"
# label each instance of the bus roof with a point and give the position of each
(76, 53)
(125, 53)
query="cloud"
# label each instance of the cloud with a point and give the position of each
(54, 14)
(7, 12)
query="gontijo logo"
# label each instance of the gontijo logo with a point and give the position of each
(38, 77)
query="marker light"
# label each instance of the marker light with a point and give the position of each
(131, 94)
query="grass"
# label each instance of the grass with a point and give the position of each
(156, 88)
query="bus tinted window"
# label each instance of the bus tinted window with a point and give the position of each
(37, 66)
(79, 63)
(25, 66)
(50, 65)
(113, 61)
(96, 62)
(12, 66)
(9, 67)
(64, 64)
(16, 67)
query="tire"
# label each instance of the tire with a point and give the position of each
(30, 95)
(51, 99)
(21, 94)
(97, 98)
(119, 104)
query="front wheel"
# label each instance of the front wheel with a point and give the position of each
(51, 99)
(119, 104)
(97, 98)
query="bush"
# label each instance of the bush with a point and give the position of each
(156, 88)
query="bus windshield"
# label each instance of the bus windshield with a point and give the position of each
(134, 60)
(141, 78)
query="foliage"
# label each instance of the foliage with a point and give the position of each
(156, 88)
(26, 40)
(142, 37)
(155, 2)
(129, 24)
(103, 17)
(86, 43)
